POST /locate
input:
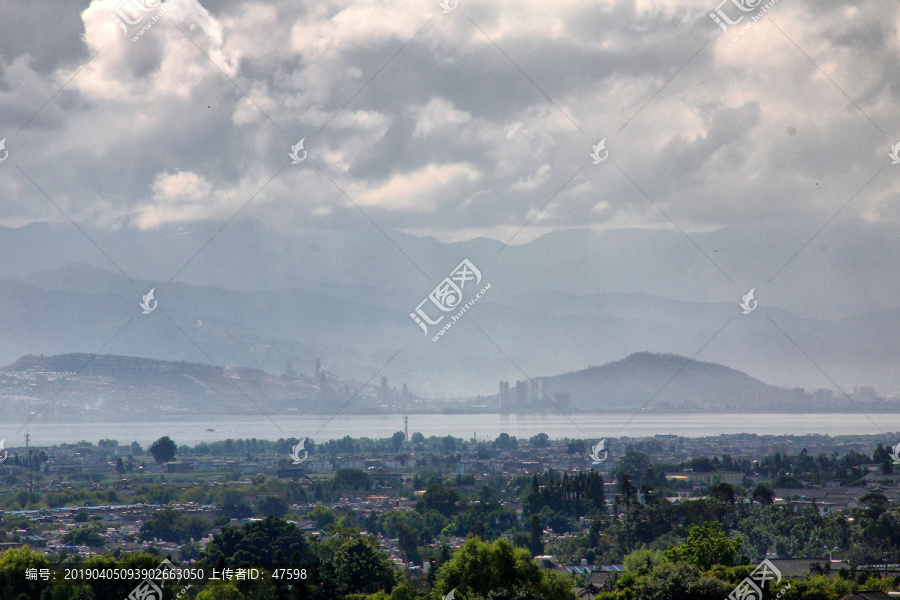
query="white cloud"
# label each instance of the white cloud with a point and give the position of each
(438, 115)
(422, 190)
(161, 129)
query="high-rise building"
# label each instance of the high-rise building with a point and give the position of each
(404, 394)
(323, 384)
(504, 397)
(823, 396)
(865, 393)
(537, 393)
(384, 394)
(521, 395)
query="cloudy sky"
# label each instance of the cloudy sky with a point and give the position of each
(455, 124)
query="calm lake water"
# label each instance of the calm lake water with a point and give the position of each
(188, 431)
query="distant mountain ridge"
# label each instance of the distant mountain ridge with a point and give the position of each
(645, 378)
(259, 297)
(626, 384)
(126, 367)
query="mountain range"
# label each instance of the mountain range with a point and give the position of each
(119, 385)
(259, 297)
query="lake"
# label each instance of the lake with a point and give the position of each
(483, 426)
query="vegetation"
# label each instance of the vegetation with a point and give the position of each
(163, 449)
(698, 547)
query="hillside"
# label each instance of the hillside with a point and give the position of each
(631, 382)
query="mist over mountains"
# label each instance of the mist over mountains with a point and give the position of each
(122, 385)
(569, 300)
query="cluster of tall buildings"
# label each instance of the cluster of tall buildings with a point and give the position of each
(529, 395)
(391, 396)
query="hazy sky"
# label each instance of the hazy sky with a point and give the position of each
(480, 116)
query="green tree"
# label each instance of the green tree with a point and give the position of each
(13, 563)
(397, 440)
(322, 515)
(706, 546)
(670, 581)
(439, 498)
(500, 571)
(362, 568)
(763, 495)
(272, 505)
(163, 449)
(172, 526)
(83, 536)
(633, 464)
(505, 442)
(352, 479)
(541, 440)
(642, 558)
(258, 543)
(536, 541)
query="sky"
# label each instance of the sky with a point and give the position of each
(459, 124)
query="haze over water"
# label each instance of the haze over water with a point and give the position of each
(483, 426)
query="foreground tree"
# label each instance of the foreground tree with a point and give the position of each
(706, 546)
(481, 570)
(362, 568)
(679, 582)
